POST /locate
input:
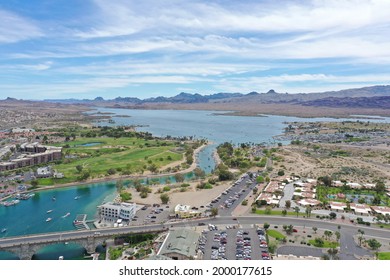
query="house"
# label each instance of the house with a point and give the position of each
(384, 210)
(360, 209)
(269, 198)
(180, 244)
(308, 201)
(44, 172)
(273, 186)
(337, 206)
(185, 211)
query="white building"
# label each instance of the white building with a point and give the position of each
(113, 211)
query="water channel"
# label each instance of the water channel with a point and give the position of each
(29, 216)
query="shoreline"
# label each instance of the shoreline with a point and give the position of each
(115, 178)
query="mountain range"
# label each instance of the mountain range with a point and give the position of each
(367, 97)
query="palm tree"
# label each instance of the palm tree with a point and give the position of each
(361, 236)
(328, 234)
(337, 234)
(333, 253)
(296, 210)
(308, 211)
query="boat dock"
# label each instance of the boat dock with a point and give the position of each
(81, 222)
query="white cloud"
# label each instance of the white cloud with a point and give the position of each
(14, 28)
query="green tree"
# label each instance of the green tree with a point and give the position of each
(284, 212)
(119, 185)
(308, 211)
(125, 196)
(199, 173)
(380, 187)
(179, 177)
(214, 211)
(164, 198)
(333, 253)
(328, 234)
(267, 210)
(337, 234)
(266, 226)
(315, 229)
(360, 237)
(79, 168)
(260, 179)
(153, 168)
(288, 204)
(374, 245)
(296, 210)
(34, 184)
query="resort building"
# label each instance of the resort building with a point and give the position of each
(32, 154)
(111, 212)
(185, 211)
(180, 244)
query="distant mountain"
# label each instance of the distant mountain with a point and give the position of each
(360, 97)
(378, 102)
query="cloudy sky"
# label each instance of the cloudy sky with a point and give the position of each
(89, 48)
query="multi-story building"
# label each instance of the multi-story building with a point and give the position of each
(111, 211)
(32, 154)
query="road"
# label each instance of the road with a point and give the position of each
(348, 246)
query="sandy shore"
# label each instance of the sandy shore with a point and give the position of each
(192, 196)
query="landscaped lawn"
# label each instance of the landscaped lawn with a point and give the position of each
(384, 255)
(275, 234)
(327, 244)
(277, 212)
(132, 154)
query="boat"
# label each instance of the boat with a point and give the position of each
(66, 215)
(61, 258)
(3, 230)
(76, 197)
(48, 219)
(49, 211)
(53, 198)
(66, 243)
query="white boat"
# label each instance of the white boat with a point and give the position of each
(48, 219)
(49, 211)
(3, 230)
(76, 197)
(60, 258)
(66, 215)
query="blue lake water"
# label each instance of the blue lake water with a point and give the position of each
(29, 217)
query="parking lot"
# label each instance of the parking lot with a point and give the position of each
(233, 244)
(232, 197)
(151, 214)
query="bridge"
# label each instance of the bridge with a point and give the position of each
(26, 246)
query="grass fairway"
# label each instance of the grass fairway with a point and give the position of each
(275, 234)
(98, 155)
(384, 255)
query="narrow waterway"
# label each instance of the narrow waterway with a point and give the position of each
(29, 217)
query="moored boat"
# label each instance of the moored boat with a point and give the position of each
(48, 219)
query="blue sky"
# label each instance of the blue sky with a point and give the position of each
(89, 48)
